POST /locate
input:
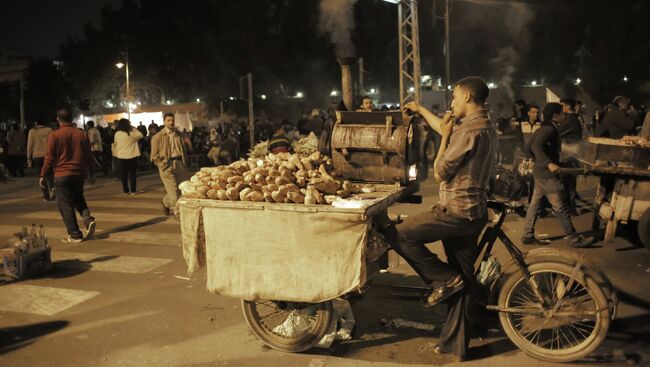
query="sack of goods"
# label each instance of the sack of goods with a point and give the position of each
(31, 254)
(276, 178)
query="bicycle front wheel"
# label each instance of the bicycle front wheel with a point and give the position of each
(571, 322)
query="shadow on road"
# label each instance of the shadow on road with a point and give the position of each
(16, 337)
(61, 269)
(129, 227)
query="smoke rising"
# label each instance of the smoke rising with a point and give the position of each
(504, 65)
(517, 18)
(337, 20)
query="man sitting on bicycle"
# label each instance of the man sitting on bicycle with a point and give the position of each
(463, 167)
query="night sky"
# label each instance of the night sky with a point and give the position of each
(38, 27)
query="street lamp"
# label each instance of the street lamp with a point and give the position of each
(125, 65)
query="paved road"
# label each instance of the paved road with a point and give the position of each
(123, 299)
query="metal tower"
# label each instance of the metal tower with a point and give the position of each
(409, 52)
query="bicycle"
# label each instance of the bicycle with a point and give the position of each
(552, 304)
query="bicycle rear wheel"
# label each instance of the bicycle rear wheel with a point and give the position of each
(288, 326)
(573, 330)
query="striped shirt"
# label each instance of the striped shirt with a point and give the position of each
(466, 166)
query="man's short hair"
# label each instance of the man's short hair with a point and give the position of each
(619, 99)
(568, 101)
(478, 90)
(90, 123)
(552, 108)
(168, 114)
(520, 102)
(64, 114)
(533, 106)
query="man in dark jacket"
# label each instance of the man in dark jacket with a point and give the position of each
(617, 122)
(68, 155)
(571, 135)
(545, 146)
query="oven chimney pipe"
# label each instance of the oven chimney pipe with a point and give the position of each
(347, 83)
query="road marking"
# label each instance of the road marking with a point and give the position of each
(128, 236)
(100, 216)
(113, 263)
(12, 201)
(134, 204)
(46, 301)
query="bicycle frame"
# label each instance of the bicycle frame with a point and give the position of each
(487, 243)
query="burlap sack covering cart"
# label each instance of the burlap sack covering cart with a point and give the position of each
(290, 252)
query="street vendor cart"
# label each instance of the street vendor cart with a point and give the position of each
(305, 255)
(624, 171)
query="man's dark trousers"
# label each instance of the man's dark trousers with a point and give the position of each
(70, 196)
(459, 237)
(49, 179)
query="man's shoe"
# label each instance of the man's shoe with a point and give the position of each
(440, 294)
(71, 239)
(90, 230)
(439, 351)
(165, 209)
(535, 242)
(579, 241)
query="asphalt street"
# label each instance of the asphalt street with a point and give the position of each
(124, 298)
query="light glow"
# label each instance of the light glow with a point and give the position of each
(413, 172)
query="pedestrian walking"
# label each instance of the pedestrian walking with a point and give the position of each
(16, 151)
(545, 147)
(127, 151)
(68, 156)
(169, 155)
(36, 147)
(96, 146)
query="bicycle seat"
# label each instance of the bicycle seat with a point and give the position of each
(501, 205)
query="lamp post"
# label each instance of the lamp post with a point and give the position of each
(125, 65)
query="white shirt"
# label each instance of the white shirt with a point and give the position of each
(126, 145)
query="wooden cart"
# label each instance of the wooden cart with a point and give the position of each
(624, 172)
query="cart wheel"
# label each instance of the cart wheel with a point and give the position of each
(644, 228)
(288, 326)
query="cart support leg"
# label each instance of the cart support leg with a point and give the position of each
(610, 231)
